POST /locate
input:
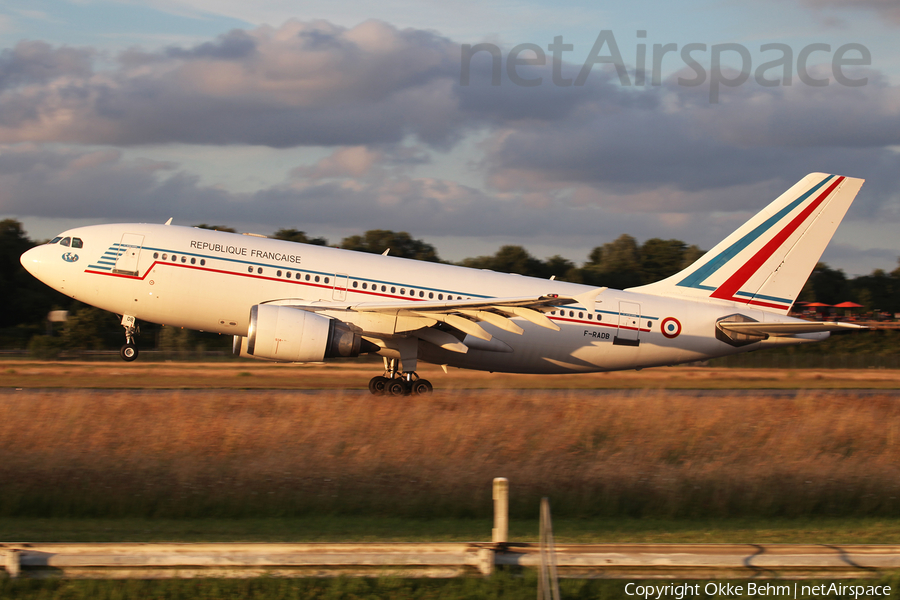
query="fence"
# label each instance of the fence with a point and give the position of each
(686, 561)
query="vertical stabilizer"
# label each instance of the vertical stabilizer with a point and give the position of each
(766, 262)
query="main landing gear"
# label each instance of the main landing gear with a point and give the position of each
(129, 351)
(396, 383)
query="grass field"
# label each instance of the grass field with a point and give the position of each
(355, 375)
(228, 454)
(500, 586)
(240, 452)
(357, 529)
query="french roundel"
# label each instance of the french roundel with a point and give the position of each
(671, 327)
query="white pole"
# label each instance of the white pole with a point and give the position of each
(500, 533)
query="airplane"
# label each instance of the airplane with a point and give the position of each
(297, 303)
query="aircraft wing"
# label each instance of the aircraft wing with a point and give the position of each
(417, 317)
(786, 328)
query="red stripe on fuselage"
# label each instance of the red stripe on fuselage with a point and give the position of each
(733, 284)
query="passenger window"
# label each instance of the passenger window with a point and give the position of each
(165, 256)
(430, 295)
(249, 269)
(174, 258)
(66, 242)
(317, 279)
(278, 273)
(440, 296)
(393, 289)
(326, 280)
(384, 288)
(403, 291)
(202, 261)
(77, 243)
(590, 317)
(183, 259)
(259, 270)
(365, 285)
(298, 276)
(421, 294)
(307, 276)
(156, 255)
(355, 284)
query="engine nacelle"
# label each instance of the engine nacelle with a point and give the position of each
(289, 334)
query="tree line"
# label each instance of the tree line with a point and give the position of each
(624, 262)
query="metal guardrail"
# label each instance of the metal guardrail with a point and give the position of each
(685, 561)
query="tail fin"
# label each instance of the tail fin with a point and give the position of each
(767, 261)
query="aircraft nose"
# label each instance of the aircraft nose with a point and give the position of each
(30, 259)
(36, 262)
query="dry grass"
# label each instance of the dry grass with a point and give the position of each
(208, 453)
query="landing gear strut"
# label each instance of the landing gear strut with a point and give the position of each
(397, 383)
(129, 351)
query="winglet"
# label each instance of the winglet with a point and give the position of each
(169, 222)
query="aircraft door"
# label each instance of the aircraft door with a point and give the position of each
(340, 287)
(128, 254)
(629, 330)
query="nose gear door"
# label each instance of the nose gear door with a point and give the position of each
(129, 252)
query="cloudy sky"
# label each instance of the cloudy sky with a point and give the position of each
(335, 117)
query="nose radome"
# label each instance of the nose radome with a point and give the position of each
(37, 262)
(30, 259)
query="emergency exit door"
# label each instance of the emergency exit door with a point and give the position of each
(129, 253)
(629, 330)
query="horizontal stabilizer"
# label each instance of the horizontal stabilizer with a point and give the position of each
(786, 328)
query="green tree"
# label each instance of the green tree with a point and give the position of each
(616, 264)
(508, 259)
(826, 285)
(877, 291)
(24, 299)
(661, 258)
(295, 235)
(84, 330)
(216, 228)
(400, 244)
(561, 268)
(176, 341)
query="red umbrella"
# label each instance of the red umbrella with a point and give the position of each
(816, 305)
(848, 305)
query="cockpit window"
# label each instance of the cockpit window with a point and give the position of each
(77, 243)
(54, 240)
(66, 242)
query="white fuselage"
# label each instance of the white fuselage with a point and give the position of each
(208, 280)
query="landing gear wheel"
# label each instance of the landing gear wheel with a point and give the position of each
(128, 352)
(397, 388)
(378, 385)
(422, 387)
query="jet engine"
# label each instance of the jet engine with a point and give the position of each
(288, 334)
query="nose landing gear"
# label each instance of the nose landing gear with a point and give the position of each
(129, 351)
(397, 383)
